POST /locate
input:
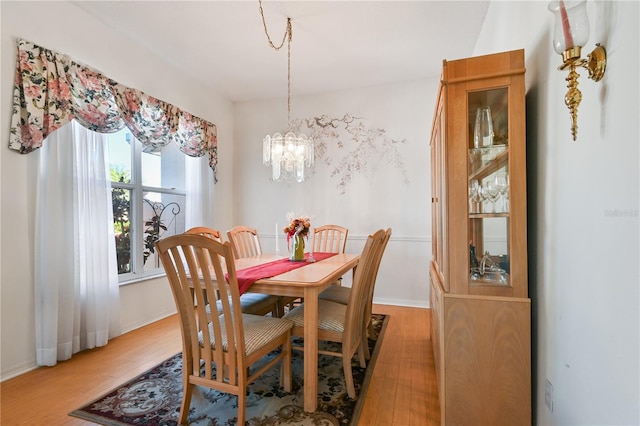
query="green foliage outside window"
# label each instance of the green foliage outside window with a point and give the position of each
(121, 203)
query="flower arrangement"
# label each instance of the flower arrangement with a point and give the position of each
(297, 230)
(298, 225)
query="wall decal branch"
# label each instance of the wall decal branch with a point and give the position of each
(349, 146)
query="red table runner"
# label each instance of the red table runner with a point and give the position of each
(248, 276)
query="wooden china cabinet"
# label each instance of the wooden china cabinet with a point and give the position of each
(481, 313)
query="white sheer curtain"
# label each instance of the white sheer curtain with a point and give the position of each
(200, 193)
(76, 282)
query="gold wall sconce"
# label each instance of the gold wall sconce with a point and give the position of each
(571, 32)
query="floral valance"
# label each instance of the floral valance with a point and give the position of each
(50, 89)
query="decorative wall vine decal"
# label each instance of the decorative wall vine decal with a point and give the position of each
(364, 148)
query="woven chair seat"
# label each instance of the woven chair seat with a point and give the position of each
(332, 318)
(252, 303)
(336, 294)
(257, 331)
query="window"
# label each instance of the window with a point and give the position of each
(148, 196)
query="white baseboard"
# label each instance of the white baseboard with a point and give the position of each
(132, 327)
(401, 302)
(18, 370)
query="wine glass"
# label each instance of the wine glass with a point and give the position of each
(502, 183)
(490, 191)
(483, 130)
(474, 196)
(482, 198)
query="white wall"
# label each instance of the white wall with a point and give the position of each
(376, 196)
(65, 28)
(583, 215)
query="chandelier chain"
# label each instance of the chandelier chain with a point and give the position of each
(289, 75)
(288, 35)
(286, 32)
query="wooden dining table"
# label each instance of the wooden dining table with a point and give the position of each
(307, 282)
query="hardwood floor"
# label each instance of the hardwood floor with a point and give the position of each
(403, 390)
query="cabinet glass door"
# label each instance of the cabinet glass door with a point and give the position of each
(488, 172)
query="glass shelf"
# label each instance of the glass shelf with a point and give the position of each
(496, 158)
(488, 215)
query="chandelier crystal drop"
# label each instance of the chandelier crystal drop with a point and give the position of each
(290, 154)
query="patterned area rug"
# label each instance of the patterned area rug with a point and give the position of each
(154, 397)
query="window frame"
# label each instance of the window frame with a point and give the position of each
(136, 218)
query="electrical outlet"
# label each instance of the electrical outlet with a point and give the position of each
(548, 395)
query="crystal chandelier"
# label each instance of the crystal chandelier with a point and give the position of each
(287, 155)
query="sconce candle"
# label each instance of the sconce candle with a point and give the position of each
(571, 26)
(568, 39)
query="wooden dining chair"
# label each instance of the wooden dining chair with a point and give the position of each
(341, 294)
(330, 239)
(245, 241)
(217, 350)
(343, 323)
(250, 303)
(206, 231)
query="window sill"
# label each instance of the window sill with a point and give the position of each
(137, 280)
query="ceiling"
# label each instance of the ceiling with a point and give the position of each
(336, 45)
